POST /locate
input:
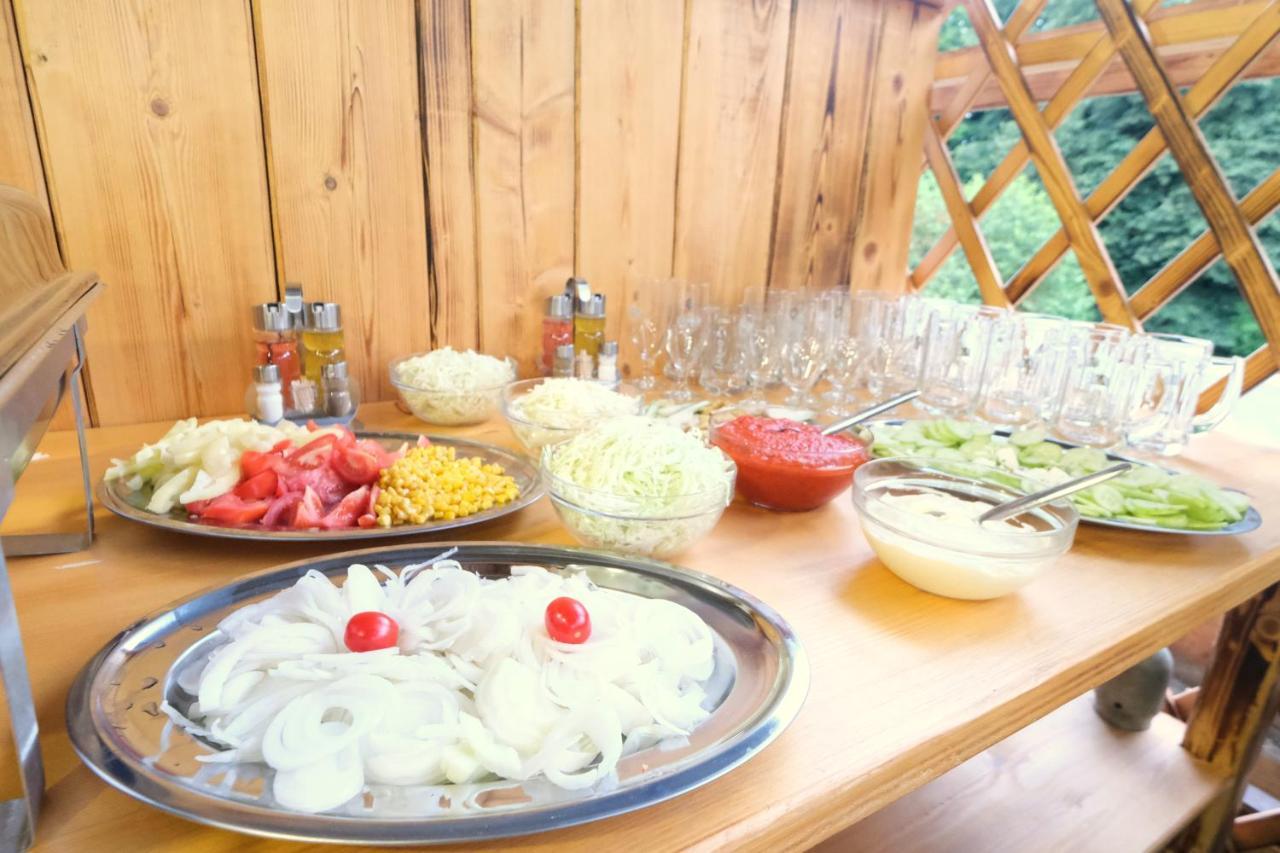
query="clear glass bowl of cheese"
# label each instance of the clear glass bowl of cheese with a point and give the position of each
(920, 518)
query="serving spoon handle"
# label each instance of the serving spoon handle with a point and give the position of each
(1044, 496)
(892, 402)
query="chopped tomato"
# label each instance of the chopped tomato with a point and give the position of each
(253, 463)
(325, 482)
(282, 445)
(280, 513)
(309, 512)
(196, 507)
(423, 441)
(366, 520)
(348, 510)
(259, 486)
(356, 464)
(314, 453)
(229, 509)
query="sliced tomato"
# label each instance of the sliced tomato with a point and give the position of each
(259, 486)
(309, 512)
(423, 441)
(229, 509)
(357, 465)
(253, 463)
(374, 491)
(280, 513)
(314, 453)
(282, 445)
(348, 510)
(366, 520)
(345, 437)
(196, 507)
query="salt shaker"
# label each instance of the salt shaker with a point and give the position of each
(269, 402)
(607, 366)
(563, 365)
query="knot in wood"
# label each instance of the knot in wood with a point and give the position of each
(330, 182)
(160, 107)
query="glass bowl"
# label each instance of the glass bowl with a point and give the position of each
(791, 480)
(634, 525)
(535, 435)
(957, 560)
(448, 406)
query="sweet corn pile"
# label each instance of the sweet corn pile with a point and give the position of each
(431, 482)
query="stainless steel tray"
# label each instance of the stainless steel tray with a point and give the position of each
(526, 475)
(113, 715)
(1252, 518)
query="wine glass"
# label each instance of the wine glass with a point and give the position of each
(717, 332)
(646, 336)
(684, 343)
(804, 353)
(761, 355)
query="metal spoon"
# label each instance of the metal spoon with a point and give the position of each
(1044, 496)
(865, 414)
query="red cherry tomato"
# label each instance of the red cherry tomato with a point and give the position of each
(568, 621)
(370, 631)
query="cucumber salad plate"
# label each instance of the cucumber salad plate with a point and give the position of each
(1147, 497)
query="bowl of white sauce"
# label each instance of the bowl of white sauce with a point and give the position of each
(922, 522)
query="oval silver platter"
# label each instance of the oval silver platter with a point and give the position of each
(529, 482)
(1252, 518)
(119, 730)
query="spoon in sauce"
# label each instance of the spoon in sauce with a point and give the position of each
(1044, 496)
(893, 402)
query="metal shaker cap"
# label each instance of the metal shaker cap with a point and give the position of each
(609, 348)
(560, 307)
(593, 307)
(266, 373)
(337, 370)
(271, 317)
(322, 316)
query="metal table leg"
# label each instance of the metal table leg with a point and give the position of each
(18, 816)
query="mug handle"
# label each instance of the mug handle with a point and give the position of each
(1218, 412)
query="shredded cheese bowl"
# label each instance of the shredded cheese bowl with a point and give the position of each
(448, 387)
(638, 485)
(546, 411)
(922, 524)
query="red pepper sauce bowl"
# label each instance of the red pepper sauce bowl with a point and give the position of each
(788, 465)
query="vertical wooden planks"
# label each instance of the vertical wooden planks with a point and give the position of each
(148, 117)
(339, 86)
(628, 118)
(908, 36)
(523, 87)
(444, 42)
(824, 132)
(734, 74)
(19, 153)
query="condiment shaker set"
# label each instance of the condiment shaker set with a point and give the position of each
(301, 369)
(573, 341)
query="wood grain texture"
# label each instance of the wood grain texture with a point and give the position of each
(444, 44)
(523, 64)
(1236, 704)
(1095, 263)
(1191, 262)
(19, 152)
(1068, 782)
(339, 82)
(904, 686)
(1064, 98)
(1195, 24)
(1241, 248)
(149, 122)
(734, 73)
(824, 131)
(895, 142)
(629, 72)
(1112, 189)
(1258, 366)
(963, 221)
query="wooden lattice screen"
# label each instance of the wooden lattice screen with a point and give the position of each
(1126, 29)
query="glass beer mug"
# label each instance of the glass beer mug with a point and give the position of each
(1098, 385)
(1170, 372)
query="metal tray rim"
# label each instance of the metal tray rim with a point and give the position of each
(768, 720)
(113, 502)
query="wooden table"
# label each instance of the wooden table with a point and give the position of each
(906, 685)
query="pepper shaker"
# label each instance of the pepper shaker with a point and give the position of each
(337, 390)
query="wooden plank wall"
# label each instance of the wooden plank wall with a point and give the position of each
(440, 166)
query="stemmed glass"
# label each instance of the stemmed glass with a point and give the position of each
(844, 366)
(804, 353)
(717, 350)
(761, 354)
(646, 336)
(684, 338)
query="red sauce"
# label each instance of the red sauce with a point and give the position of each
(788, 465)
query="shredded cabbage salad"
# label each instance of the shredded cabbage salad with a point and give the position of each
(474, 688)
(200, 462)
(1143, 495)
(452, 387)
(558, 404)
(639, 484)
